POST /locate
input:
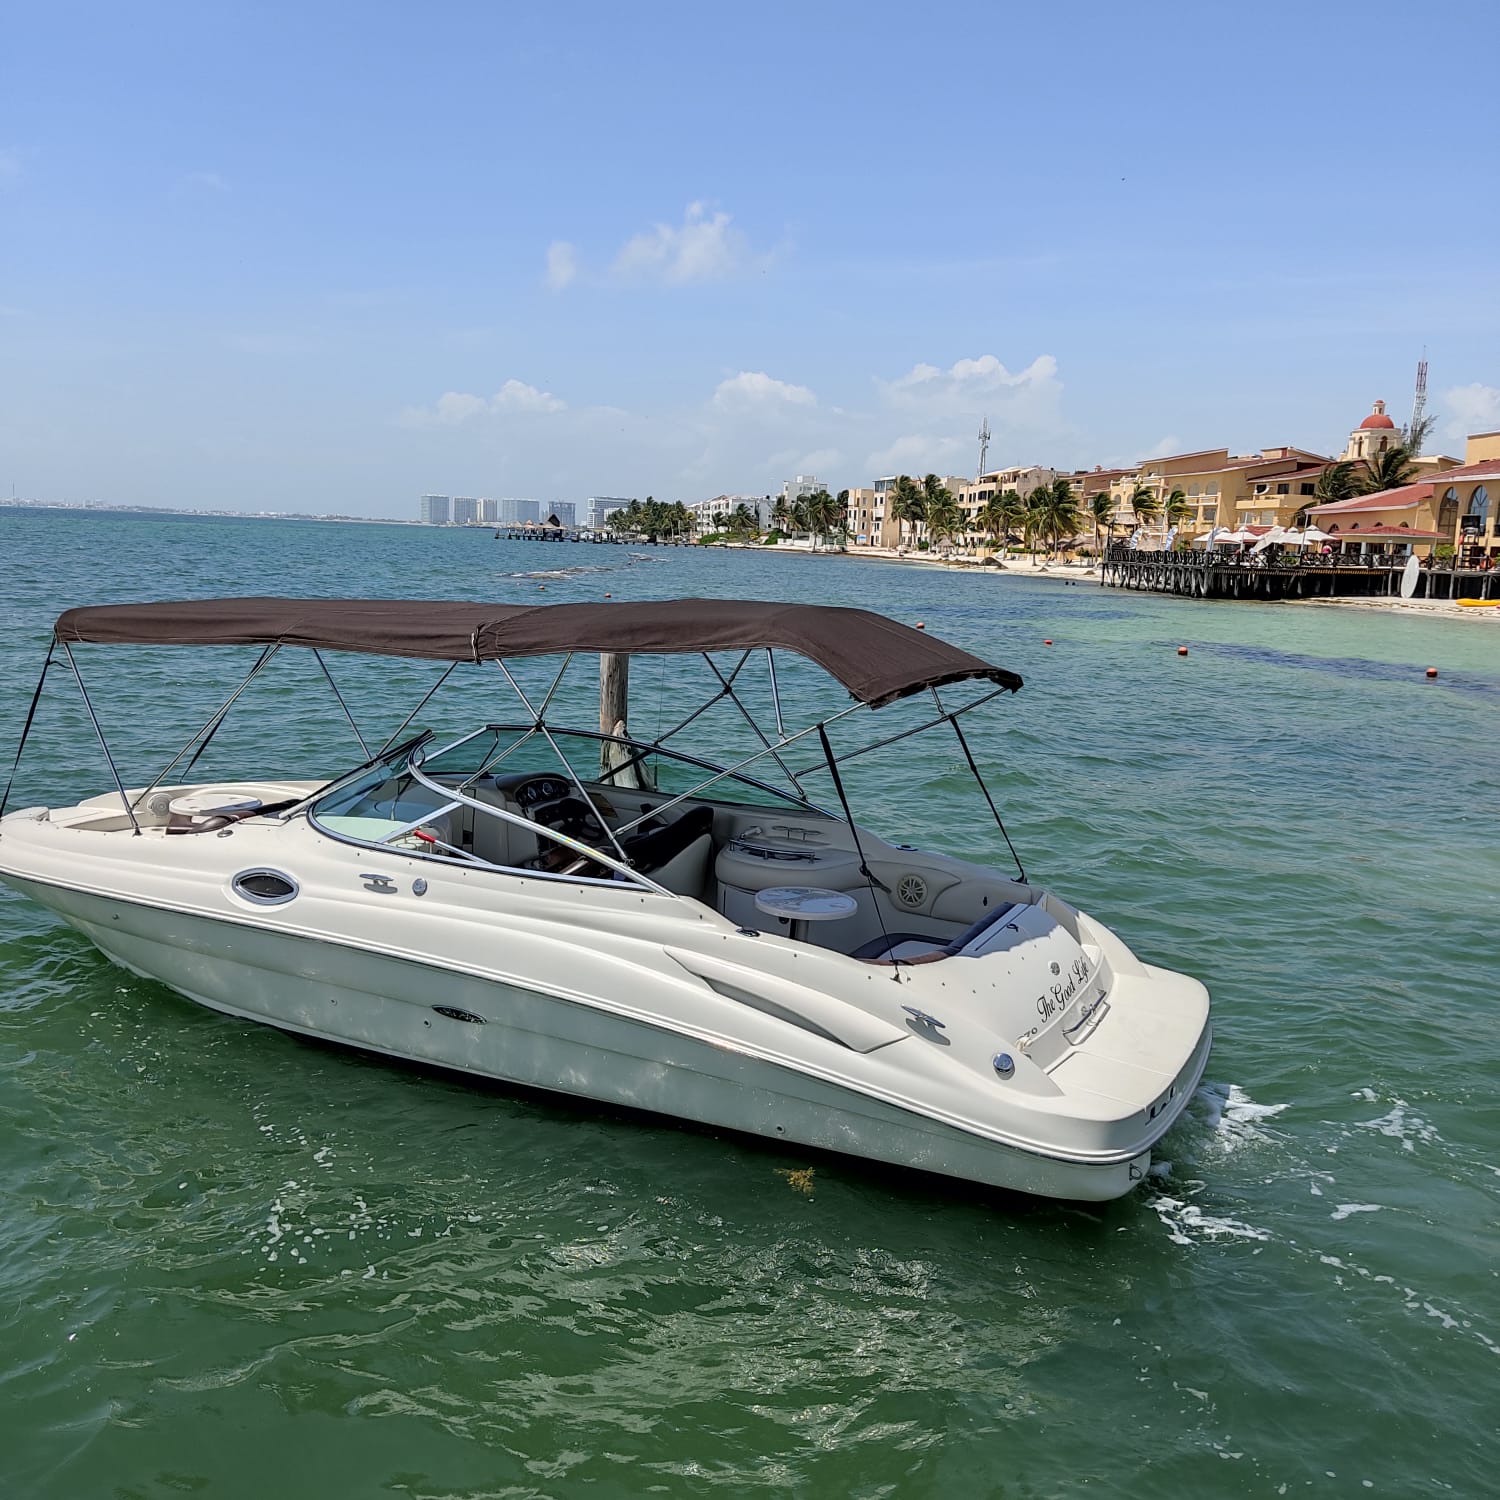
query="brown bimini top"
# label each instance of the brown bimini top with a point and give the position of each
(877, 659)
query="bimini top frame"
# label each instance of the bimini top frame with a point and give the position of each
(877, 659)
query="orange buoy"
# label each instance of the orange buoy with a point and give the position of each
(1182, 650)
(920, 625)
(1432, 671)
(1046, 643)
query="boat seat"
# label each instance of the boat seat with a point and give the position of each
(909, 945)
(896, 945)
(676, 856)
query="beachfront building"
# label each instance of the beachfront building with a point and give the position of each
(1378, 434)
(860, 518)
(713, 515)
(465, 510)
(601, 507)
(1397, 520)
(973, 495)
(433, 510)
(1454, 507)
(1268, 488)
(564, 512)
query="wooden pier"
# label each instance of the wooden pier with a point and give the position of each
(1198, 575)
(598, 535)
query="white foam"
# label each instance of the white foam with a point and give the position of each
(1404, 1124)
(1345, 1210)
(1232, 1115)
(1186, 1220)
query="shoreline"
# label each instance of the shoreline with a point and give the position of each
(1443, 609)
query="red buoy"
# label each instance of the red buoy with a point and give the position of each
(1432, 671)
(609, 596)
(920, 625)
(1182, 650)
(1046, 643)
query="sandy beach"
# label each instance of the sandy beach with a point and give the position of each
(1086, 572)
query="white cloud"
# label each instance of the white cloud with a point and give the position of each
(752, 389)
(918, 453)
(454, 408)
(704, 247)
(562, 264)
(968, 378)
(1475, 408)
(830, 460)
(516, 395)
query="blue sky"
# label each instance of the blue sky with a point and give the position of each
(327, 257)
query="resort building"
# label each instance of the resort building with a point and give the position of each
(974, 494)
(1397, 520)
(465, 510)
(1374, 436)
(433, 510)
(1268, 488)
(864, 516)
(711, 515)
(1378, 434)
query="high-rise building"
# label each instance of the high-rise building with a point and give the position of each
(600, 507)
(517, 512)
(434, 510)
(565, 511)
(488, 512)
(465, 510)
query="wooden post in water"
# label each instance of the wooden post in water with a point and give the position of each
(614, 705)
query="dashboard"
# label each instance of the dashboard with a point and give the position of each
(539, 789)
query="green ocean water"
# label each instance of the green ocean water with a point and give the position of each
(237, 1264)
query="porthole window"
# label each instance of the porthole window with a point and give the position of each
(264, 887)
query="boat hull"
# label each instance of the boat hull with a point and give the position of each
(420, 1010)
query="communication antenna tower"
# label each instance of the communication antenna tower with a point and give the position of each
(1418, 405)
(984, 441)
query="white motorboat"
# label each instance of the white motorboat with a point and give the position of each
(618, 916)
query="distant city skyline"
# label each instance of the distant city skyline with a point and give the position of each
(1159, 231)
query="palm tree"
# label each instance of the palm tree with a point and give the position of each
(945, 517)
(1063, 515)
(1034, 522)
(1177, 509)
(1102, 509)
(1145, 502)
(781, 513)
(941, 512)
(1337, 482)
(908, 504)
(1387, 471)
(821, 512)
(1012, 513)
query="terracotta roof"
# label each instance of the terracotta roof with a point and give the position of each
(1378, 419)
(1406, 498)
(1489, 469)
(1381, 533)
